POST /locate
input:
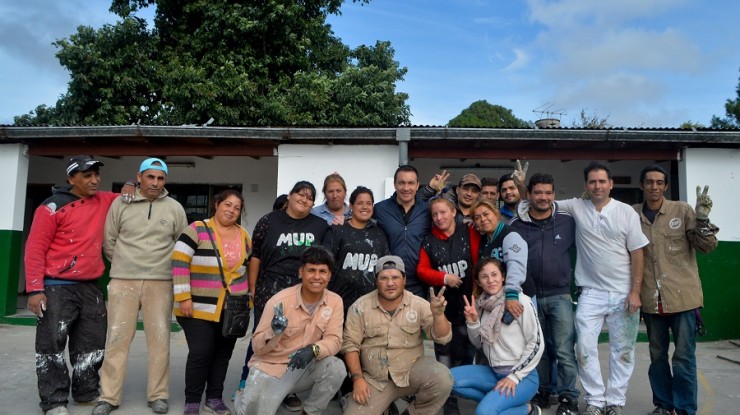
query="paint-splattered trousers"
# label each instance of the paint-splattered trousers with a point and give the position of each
(596, 307)
(264, 392)
(429, 381)
(125, 299)
(74, 312)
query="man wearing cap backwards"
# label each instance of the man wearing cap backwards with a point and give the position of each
(63, 262)
(139, 239)
(384, 349)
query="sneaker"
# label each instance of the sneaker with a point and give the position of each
(567, 406)
(59, 410)
(292, 403)
(534, 409)
(159, 406)
(216, 407)
(103, 408)
(192, 408)
(541, 399)
(660, 411)
(614, 410)
(240, 389)
(593, 410)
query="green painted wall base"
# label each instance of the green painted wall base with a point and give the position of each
(10, 255)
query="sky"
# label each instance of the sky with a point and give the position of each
(638, 63)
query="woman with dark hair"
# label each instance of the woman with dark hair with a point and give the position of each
(279, 239)
(447, 256)
(513, 347)
(199, 295)
(356, 245)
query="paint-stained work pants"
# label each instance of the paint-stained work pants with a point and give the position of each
(125, 299)
(429, 381)
(75, 312)
(264, 392)
(595, 307)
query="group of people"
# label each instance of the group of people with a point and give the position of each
(344, 294)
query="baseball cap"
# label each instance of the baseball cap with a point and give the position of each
(390, 262)
(81, 163)
(148, 164)
(470, 179)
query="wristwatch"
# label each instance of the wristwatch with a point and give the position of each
(316, 350)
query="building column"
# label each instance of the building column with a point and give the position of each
(14, 174)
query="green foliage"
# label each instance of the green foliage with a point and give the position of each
(483, 114)
(592, 121)
(688, 125)
(732, 113)
(269, 62)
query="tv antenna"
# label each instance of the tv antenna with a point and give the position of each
(549, 117)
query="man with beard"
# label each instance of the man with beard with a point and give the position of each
(510, 195)
(334, 210)
(384, 348)
(550, 236)
(463, 195)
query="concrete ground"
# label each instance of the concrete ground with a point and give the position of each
(718, 362)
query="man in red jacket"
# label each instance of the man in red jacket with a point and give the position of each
(63, 262)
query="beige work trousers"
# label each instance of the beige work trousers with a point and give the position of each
(429, 380)
(125, 298)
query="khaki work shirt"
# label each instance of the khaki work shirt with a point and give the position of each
(389, 345)
(323, 327)
(671, 275)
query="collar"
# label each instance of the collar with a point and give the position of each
(299, 298)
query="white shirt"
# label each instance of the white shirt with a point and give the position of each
(604, 241)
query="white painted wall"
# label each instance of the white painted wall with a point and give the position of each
(363, 165)
(13, 171)
(720, 170)
(257, 177)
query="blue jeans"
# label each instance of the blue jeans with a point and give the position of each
(476, 382)
(678, 390)
(556, 317)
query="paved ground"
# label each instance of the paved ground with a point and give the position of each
(719, 379)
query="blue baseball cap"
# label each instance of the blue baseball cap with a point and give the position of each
(149, 164)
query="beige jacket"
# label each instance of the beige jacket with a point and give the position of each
(671, 275)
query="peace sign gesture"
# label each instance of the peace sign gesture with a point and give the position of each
(437, 302)
(471, 314)
(438, 181)
(703, 203)
(520, 174)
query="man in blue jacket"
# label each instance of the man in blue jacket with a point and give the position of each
(405, 220)
(550, 235)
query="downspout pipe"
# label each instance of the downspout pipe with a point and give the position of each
(403, 137)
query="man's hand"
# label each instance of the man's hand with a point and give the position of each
(186, 307)
(438, 181)
(438, 302)
(279, 321)
(471, 314)
(703, 204)
(361, 391)
(633, 302)
(301, 357)
(452, 280)
(127, 192)
(337, 220)
(520, 174)
(514, 307)
(37, 304)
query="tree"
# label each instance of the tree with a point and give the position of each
(483, 114)
(732, 113)
(592, 121)
(689, 125)
(272, 62)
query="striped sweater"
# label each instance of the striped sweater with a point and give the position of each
(196, 275)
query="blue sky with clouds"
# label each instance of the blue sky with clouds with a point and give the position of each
(642, 63)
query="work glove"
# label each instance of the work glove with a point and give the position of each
(301, 358)
(703, 204)
(279, 321)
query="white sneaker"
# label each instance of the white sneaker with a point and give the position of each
(59, 410)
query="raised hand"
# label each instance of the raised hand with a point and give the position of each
(279, 321)
(520, 174)
(437, 302)
(471, 314)
(438, 181)
(703, 203)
